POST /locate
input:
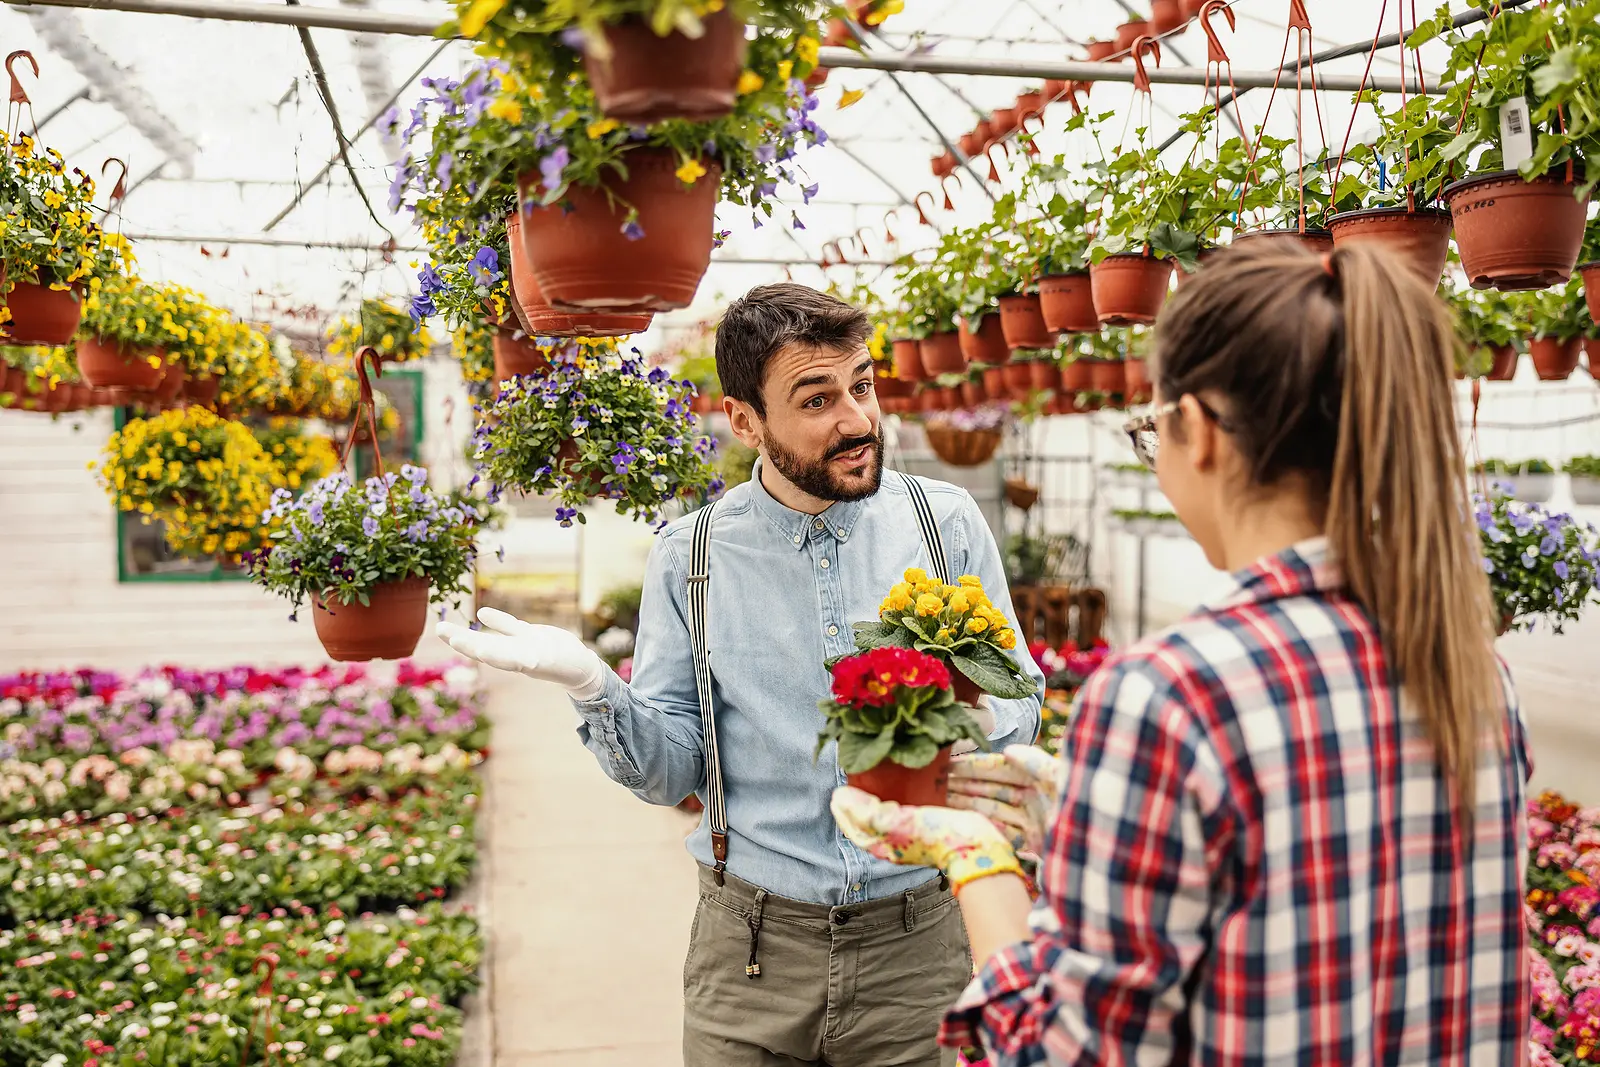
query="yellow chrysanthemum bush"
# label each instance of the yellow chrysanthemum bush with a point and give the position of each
(48, 234)
(206, 477)
(384, 327)
(255, 374)
(955, 623)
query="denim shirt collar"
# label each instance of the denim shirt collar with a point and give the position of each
(837, 521)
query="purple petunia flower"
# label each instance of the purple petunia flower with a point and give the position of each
(422, 307)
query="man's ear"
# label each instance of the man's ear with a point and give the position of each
(744, 421)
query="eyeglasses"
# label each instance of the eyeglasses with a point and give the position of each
(1146, 439)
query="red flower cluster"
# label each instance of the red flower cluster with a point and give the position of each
(874, 677)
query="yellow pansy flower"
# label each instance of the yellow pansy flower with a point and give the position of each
(749, 82)
(478, 16)
(507, 109)
(806, 49)
(690, 172)
(786, 70)
(601, 127)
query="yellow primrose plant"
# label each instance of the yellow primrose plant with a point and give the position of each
(955, 623)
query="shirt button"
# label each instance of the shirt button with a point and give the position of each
(824, 564)
(819, 524)
(833, 631)
(797, 539)
(842, 534)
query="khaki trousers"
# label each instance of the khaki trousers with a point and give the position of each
(862, 985)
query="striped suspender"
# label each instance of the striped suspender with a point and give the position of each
(930, 529)
(699, 587)
(699, 584)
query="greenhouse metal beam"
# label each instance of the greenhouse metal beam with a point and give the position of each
(361, 21)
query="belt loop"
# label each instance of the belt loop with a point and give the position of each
(911, 911)
(753, 968)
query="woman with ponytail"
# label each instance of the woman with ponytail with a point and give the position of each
(1289, 829)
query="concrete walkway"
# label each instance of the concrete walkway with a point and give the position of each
(590, 898)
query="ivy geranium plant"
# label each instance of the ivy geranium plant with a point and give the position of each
(596, 425)
(1541, 564)
(956, 624)
(893, 704)
(337, 541)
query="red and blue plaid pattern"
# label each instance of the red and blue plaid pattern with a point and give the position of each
(1256, 861)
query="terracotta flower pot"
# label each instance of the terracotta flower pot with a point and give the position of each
(583, 261)
(1312, 239)
(1055, 89)
(941, 354)
(1077, 376)
(1420, 238)
(538, 318)
(1515, 234)
(1067, 303)
(1030, 105)
(1107, 375)
(202, 389)
(1165, 16)
(1136, 385)
(988, 345)
(928, 785)
(1554, 359)
(817, 79)
(973, 393)
(838, 33)
(1591, 287)
(171, 383)
(1504, 366)
(944, 166)
(1591, 350)
(648, 78)
(387, 628)
(908, 361)
(1129, 288)
(1019, 379)
(41, 315)
(888, 388)
(972, 145)
(1022, 322)
(515, 356)
(994, 383)
(1191, 8)
(703, 404)
(110, 365)
(1044, 374)
(1002, 123)
(1131, 31)
(1100, 51)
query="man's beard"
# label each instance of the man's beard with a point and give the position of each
(817, 477)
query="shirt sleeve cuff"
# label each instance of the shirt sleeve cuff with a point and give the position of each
(597, 703)
(995, 1005)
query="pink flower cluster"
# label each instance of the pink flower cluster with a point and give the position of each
(1562, 910)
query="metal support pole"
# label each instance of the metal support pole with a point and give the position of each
(360, 21)
(81, 94)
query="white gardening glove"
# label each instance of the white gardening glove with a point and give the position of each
(984, 715)
(547, 653)
(1019, 789)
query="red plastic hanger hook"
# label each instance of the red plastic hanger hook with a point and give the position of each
(1214, 49)
(1145, 45)
(18, 94)
(119, 190)
(933, 201)
(944, 184)
(888, 230)
(1298, 19)
(861, 240)
(364, 355)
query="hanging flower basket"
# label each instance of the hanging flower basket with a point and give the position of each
(1131, 31)
(539, 318)
(109, 365)
(1136, 382)
(1002, 124)
(1022, 321)
(1420, 238)
(1066, 302)
(908, 360)
(1077, 377)
(1107, 375)
(1165, 16)
(889, 388)
(387, 628)
(1030, 105)
(973, 393)
(1515, 234)
(1312, 239)
(41, 315)
(1554, 358)
(994, 383)
(1591, 287)
(201, 389)
(1591, 352)
(962, 448)
(1043, 374)
(987, 346)
(583, 261)
(941, 354)
(649, 78)
(1504, 367)
(516, 354)
(1021, 493)
(1129, 288)
(1019, 380)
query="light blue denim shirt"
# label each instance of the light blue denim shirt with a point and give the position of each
(784, 589)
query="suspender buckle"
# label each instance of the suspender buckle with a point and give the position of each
(719, 852)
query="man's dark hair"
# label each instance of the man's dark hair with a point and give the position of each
(770, 318)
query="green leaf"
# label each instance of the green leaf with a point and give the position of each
(917, 750)
(1460, 144)
(1561, 71)
(994, 673)
(862, 752)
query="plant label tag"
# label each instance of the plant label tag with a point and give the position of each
(1516, 133)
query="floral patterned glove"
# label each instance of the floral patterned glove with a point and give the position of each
(1020, 789)
(964, 845)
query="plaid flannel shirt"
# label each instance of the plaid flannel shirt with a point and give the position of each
(1255, 861)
